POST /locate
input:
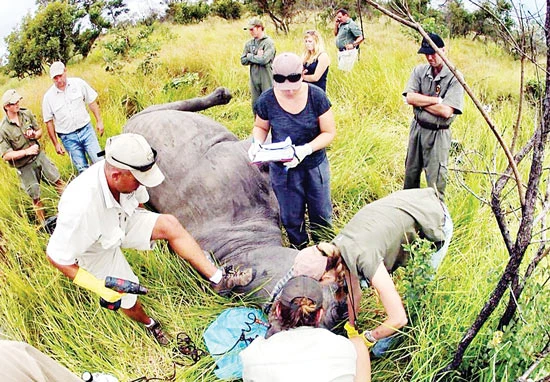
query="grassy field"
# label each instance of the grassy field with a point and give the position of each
(167, 63)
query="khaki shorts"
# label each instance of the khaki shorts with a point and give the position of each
(31, 174)
(112, 262)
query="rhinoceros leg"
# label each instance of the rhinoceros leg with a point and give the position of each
(220, 96)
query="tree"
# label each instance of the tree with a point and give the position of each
(281, 12)
(59, 31)
(114, 9)
(43, 39)
(492, 21)
(459, 20)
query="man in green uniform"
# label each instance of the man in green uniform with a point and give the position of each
(259, 53)
(348, 37)
(436, 97)
(19, 147)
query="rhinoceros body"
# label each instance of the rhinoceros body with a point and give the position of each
(224, 202)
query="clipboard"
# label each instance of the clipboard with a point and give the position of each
(275, 152)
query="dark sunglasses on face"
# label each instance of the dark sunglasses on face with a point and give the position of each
(143, 168)
(294, 77)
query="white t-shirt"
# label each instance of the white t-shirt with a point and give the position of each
(90, 221)
(300, 354)
(68, 108)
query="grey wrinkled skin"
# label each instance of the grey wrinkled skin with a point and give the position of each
(225, 202)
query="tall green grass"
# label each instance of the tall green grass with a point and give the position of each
(40, 306)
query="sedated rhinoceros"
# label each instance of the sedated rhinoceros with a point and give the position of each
(225, 202)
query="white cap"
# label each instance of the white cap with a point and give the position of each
(132, 152)
(56, 69)
(10, 96)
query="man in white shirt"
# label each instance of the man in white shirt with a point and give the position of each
(65, 115)
(99, 214)
(304, 352)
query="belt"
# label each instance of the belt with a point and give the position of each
(432, 126)
(28, 163)
(343, 49)
(75, 131)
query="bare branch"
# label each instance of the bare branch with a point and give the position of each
(540, 357)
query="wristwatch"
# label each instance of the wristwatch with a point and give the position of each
(370, 341)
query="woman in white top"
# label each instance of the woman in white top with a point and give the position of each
(302, 351)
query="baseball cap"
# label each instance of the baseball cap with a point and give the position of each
(132, 152)
(56, 69)
(255, 22)
(286, 68)
(310, 262)
(302, 286)
(426, 48)
(10, 96)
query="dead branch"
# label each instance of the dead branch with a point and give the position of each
(540, 357)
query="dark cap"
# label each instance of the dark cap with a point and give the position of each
(426, 48)
(302, 286)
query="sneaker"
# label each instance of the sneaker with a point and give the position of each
(156, 331)
(233, 278)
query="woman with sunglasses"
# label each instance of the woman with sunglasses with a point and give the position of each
(293, 108)
(316, 60)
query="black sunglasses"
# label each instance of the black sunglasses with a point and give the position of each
(294, 77)
(145, 167)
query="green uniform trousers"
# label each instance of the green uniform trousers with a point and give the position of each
(428, 150)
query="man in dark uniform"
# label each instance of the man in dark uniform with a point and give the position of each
(436, 97)
(20, 148)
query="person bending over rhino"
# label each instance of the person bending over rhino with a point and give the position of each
(370, 246)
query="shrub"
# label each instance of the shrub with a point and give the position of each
(534, 90)
(185, 13)
(227, 9)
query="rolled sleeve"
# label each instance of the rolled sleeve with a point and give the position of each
(413, 85)
(90, 95)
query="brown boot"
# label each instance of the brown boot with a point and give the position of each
(156, 331)
(233, 278)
